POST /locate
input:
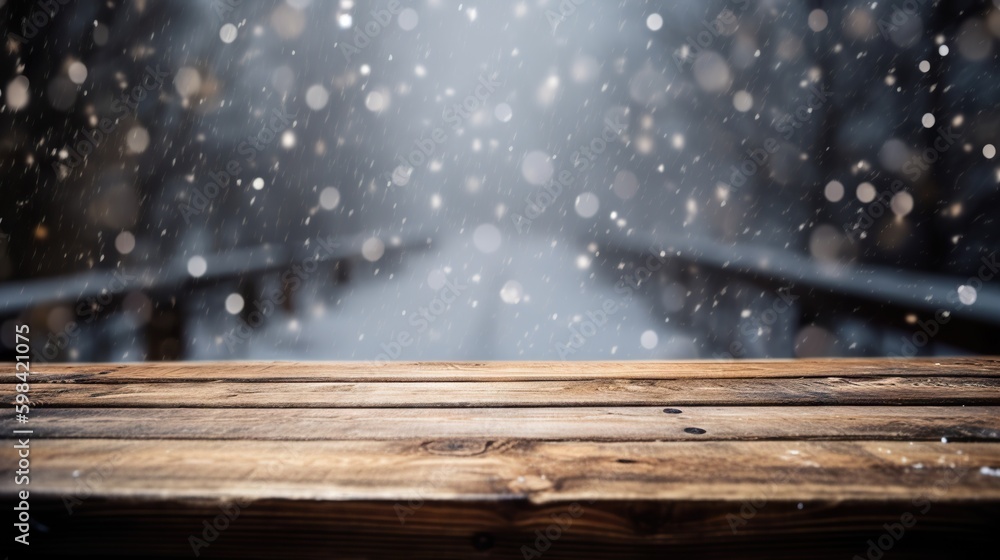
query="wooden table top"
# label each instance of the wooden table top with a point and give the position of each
(813, 458)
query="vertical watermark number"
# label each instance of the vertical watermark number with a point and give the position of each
(22, 370)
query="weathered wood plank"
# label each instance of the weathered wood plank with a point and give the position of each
(487, 452)
(290, 372)
(674, 392)
(540, 472)
(549, 424)
(510, 529)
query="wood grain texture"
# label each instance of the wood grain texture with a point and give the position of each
(550, 424)
(757, 459)
(673, 392)
(296, 372)
(480, 530)
(499, 470)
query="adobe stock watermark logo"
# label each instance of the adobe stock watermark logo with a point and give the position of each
(69, 158)
(200, 199)
(752, 328)
(786, 127)
(85, 484)
(594, 320)
(913, 168)
(713, 29)
(222, 8)
(45, 11)
(292, 279)
(563, 11)
(87, 310)
(959, 298)
(583, 158)
(873, 211)
(918, 164)
(896, 529)
(364, 35)
(438, 479)
(446, 295)
(901, 14)
(750, 507)
(212, 528)
(267, 470)
(545, 538)
(455, 115)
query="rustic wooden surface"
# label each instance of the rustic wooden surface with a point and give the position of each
(766, 459)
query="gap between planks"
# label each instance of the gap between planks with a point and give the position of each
(548, 424)
(540, 472)
(675, 392)
(295, 372)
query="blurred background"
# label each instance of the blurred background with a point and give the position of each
(560, 179)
